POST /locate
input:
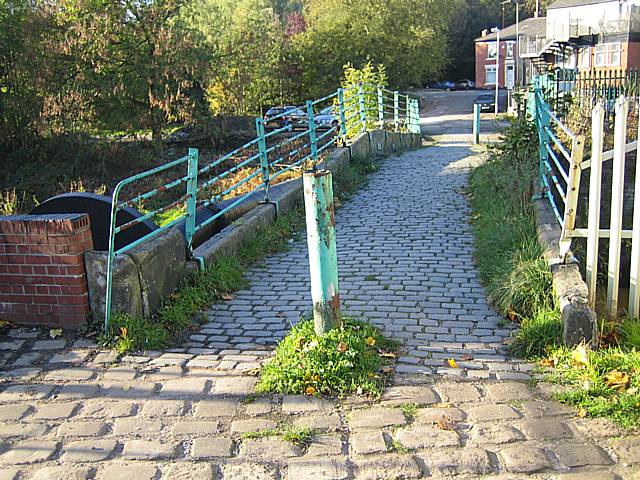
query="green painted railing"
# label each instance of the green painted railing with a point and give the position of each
(298, 140)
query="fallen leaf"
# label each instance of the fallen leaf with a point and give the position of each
(618, 380)
(4, 323)
(512, 315)
(580, 356)
(387, 370)
(55, 332)
(388, 355)
(310, 390)
(632, 390)
(581, 413)
(548, 362)
(452, 363)
(370, 341)
(342, 347)
(227, 296)
(445, 423)
(443, 405)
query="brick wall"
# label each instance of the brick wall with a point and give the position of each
(42, 273)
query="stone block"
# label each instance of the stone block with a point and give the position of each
(126, 294)
(365, 443)
(394, 142)
(318, 469)
(378, 417)
(378, 140)
(129, 471)
(190, 471)
(268, 448)
(87, 451)
(148, 450)
(29, 451)
(211, 447)
(339, 158)
(627, 449)
(580, 455)
(386, 467)
(423, 436)
(468, 461)
(360, 147)
(249, 471)
(418, 394)
(324, 445)
(66, 472)
(525, 459)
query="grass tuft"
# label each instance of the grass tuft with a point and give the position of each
(346, 360)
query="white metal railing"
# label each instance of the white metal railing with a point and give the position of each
(594, 233)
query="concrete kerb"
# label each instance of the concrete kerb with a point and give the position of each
(578, 318)
(136, 289)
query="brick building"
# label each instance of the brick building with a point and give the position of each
(514, 69)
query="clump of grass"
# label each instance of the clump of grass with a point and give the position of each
(9, 202)
(631, 334)
(399, 448)
(347, 359)
(350, 178)
(604, 382)
(537, 335)
(297, 435)
(409, 410)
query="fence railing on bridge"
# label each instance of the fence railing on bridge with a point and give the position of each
(561, 167)
(171, 194)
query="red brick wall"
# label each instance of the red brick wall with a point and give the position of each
(42, 274)
(482, 50)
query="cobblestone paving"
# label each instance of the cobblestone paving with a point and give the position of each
(71, 411)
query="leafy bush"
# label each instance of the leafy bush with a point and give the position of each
(348, 359)
(370, 77)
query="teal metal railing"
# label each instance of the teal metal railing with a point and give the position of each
(299, 139)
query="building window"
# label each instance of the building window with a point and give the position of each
(584, 58)
(607, 55)
(492, 50)
(510, 49)
(491, 75)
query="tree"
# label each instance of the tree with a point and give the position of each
(407, 36)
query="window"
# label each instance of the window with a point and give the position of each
(607, 55)
(584, 58)
(492, 50)
(491, 75)
(510, 49)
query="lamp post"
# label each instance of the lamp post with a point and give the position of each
(496, 30)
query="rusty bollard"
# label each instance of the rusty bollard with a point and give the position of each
(323, 258)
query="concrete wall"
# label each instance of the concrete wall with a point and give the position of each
(146, 274)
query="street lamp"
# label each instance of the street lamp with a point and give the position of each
(496, 30)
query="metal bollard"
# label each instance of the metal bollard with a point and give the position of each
(476, 124)
(323, 258)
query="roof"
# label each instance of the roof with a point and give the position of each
(575, 3)
(530, 26)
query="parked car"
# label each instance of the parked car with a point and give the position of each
(465, 84)
(327, 118)
(287, 116)
(486, 101)
(444, 85)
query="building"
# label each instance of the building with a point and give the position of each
(587, 36)
(514, 69)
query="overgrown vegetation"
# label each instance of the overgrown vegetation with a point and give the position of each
(300, 436)
(602, 381)
(347, 359)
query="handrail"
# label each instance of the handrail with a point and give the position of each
(359, 107)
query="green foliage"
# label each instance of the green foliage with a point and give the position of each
(631, 334)
(348, 179)
(297, 435)
(347, 359)
(606, 385)
(409, 410)
(507, 252)
(538, 334)
(365, 80)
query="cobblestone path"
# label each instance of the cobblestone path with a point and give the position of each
(71, 411)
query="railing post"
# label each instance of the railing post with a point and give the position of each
(380, 107)
(593, 223)
(476, 124)
(192, 198)
(571, 202)
(110, 259)
(543, 122)
(634, 276)
(363, 113)
(264, 159)
(313, 139)
(343, 116)
(617, 199)
(407, 111)
(323, 258)
(396, 102)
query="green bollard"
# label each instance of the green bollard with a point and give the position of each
(476, 124)
(323, 258)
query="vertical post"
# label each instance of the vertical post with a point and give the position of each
(396, 105)
(497, 70)
(634, 276)
(110, 259)
(407, 101)
(571, 201)
(380, 108)
(476, 124)
(593, 224)
(617, 192)
(192, 198)
(264, 159)
(363, 113)
(543, 122)
(313, 139)
(343, 117)
(323, 258)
